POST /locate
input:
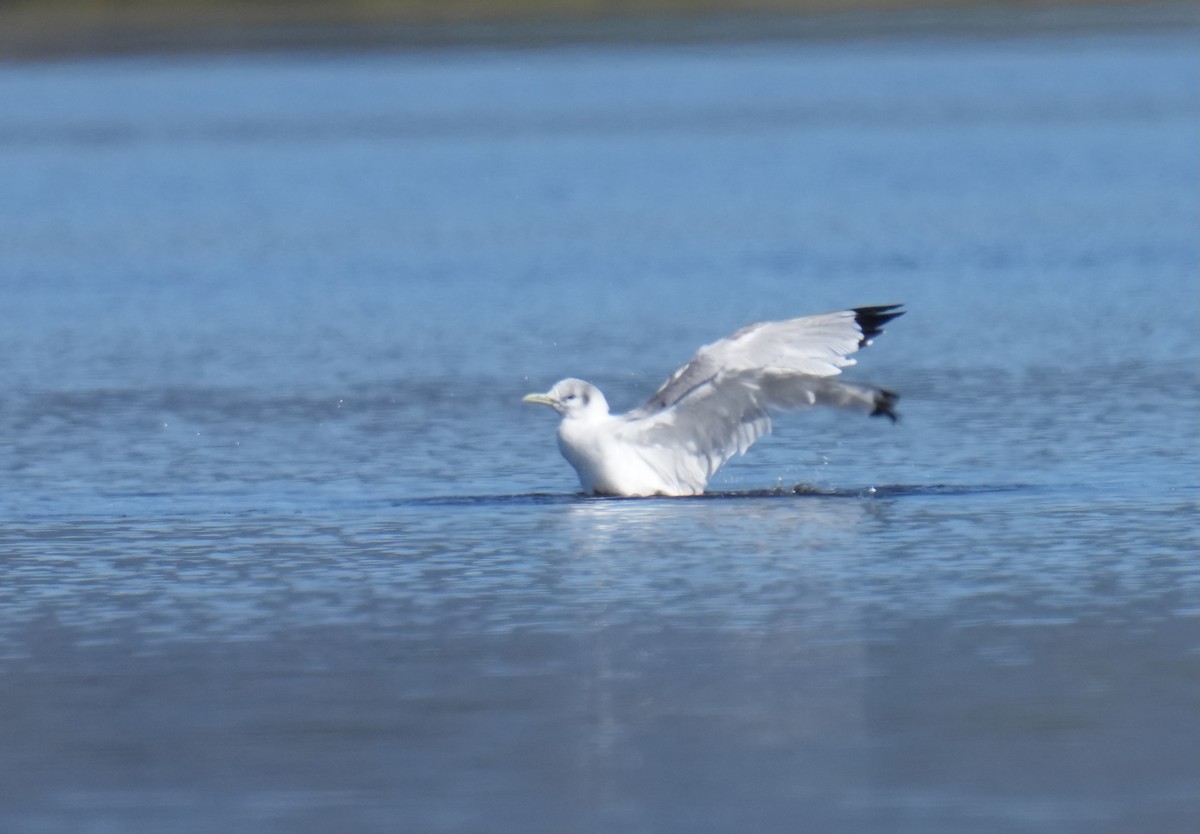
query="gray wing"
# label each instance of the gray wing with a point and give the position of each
(719, 403)
(812, 346)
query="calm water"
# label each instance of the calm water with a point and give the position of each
(282, 551)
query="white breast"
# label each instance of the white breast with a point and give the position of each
(608, 464)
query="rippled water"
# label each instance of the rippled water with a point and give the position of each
(283, 551)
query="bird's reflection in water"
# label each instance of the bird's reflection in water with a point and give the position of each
(762, 645)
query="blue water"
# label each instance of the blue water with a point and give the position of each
(282, 550)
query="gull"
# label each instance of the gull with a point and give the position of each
(717, 404)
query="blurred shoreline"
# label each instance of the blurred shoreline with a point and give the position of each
(63, 29)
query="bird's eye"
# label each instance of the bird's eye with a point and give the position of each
(569, 397)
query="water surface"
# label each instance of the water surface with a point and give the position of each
(283, 551)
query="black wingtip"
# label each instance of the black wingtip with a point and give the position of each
(872, 319)
(885, 404)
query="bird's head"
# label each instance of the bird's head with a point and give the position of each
(572, 398)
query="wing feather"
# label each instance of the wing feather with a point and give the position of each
(818, 346)
(719, 403)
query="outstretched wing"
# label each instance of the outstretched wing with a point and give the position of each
(814, 346)
(719, 403)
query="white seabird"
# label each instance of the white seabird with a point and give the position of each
(717, 404)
